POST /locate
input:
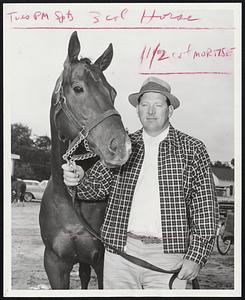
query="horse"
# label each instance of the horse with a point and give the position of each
(82, 120)
(18, 189)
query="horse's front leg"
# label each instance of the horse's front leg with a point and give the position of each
(99, 268)
(84, 274)
(58, 270)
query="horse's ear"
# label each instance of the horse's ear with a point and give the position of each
(105, 59)
(74, 47)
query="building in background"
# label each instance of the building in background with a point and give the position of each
(224, 182)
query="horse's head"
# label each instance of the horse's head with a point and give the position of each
(86, 100)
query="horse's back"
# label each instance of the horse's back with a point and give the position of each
(19, 186)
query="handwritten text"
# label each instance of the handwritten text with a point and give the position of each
(150, 17)
(145, 16)
(98, 17)
(151, 54)
(40, 15)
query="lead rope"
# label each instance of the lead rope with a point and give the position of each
(70, 150)
(70, 160)
(135, 260)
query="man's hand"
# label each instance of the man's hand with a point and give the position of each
(189, 269)
(72, 174)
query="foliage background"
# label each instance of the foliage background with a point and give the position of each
(34, 151)
(35, 154)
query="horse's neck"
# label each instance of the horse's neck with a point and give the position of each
(57, 150)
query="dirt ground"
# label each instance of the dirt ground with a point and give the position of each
(27, 257)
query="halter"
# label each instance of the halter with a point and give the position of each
(83, 130)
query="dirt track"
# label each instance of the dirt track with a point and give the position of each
(27, 257)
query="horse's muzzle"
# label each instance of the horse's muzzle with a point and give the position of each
(120, 152)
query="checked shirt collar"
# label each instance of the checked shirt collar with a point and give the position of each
(171, 139)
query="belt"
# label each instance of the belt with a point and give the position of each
(145, 239)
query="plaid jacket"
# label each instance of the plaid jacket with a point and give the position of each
(189, 209)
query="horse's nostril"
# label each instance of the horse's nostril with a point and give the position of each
(113, 145)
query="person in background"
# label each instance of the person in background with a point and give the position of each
(161, 206)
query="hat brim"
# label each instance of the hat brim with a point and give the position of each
(133, 98)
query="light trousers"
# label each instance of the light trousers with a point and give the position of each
(120, 273)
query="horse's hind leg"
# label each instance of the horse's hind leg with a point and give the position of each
(84, 274)
(58, 270)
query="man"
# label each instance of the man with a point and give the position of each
(161, 203)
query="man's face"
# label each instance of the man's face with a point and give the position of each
(154, 112)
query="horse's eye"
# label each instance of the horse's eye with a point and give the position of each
(78, 89)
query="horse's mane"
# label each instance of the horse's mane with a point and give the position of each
(86, 60)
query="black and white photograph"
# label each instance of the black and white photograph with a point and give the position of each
(122, 149)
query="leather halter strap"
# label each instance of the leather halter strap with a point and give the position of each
(61, 104)
(100, 118)
(83, 129)
(133, 259)
(82, 135)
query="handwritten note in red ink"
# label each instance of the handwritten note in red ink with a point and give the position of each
(151, 55)
(129, 17)
(57, 16)
(151, 16)
(162, 37)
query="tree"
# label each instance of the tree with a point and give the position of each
(20, 136)
(218, 163)
(41, 157)
(43, 143)
(233, 162)
(23, 170)
(35, 155)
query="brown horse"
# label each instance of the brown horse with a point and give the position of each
(18, 189)
(82, 111)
